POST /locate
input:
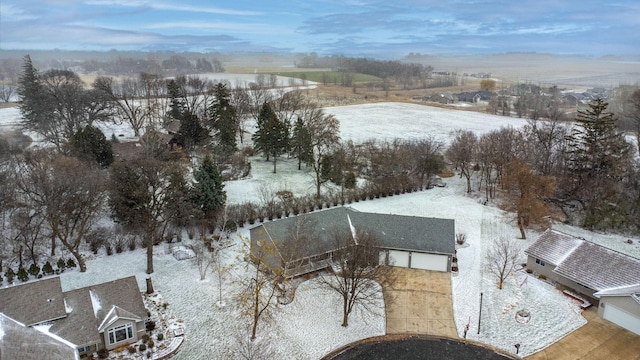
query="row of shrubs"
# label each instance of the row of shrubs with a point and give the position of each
(36, 272)
(285, 204)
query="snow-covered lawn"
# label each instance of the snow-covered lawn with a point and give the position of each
(310, 327)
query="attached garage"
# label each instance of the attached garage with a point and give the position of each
(622, 318)
(429, 261)
(398, 258)
(415, 260)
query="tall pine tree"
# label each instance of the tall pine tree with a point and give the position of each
(224, 119)
(598, 163)
(301, 143)
(271, 136)
(209, 188)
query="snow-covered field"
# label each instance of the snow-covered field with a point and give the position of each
(310, 327)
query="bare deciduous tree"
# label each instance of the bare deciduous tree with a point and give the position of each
(502, 258)
(462, 152)
(529, 193)
(70, 195)
(357, 274)
(128, 97)
(258, 295)
(323, 131)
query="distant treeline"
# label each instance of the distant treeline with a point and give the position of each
(381, 69)
(117, 64)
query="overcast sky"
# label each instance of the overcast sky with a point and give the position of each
(381, 29)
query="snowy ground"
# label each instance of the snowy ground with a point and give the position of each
(309, 327)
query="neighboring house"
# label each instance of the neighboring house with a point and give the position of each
(475, 96)
(442, 98)
(593, 271)
(18, 341)
(404, 241)
(106, 315)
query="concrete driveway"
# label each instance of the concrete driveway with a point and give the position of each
(598, 339)
(420, 302)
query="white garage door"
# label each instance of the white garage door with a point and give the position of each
(429, 261)
(622, 318)
(398, 258)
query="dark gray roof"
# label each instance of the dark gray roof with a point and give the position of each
(393, 231)
(90, 306)
(21, 342)
(600, 268)
(429, 235)
(589, 264)
(79, 327)
(33, 302)
(553, 246)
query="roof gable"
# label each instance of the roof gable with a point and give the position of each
(33, 302)
(113, 315)
(553, 246)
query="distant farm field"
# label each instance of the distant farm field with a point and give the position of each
(329, 77)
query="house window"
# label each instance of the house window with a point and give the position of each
(120, 333)
(539, 262)
(84, 349)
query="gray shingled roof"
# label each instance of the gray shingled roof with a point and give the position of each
(622, 291)
(412, 233)
(587, 263)
(600, 268)
(25, 343)
(394, 231)
(81, 324)
(33, 302)
(79, 327)
(553, 246)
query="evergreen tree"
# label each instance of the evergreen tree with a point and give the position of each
(10, 275)
(224, 119)
(271, 136)
(191, 132)
(22, 274)
(47, 269)
(176, 96)
(90, 143)
(598, 162)
(34, 270)
(209, 188)
(301, 143)
(32, 95)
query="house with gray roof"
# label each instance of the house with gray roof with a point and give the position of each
(106, 315)
(405, 241)
(605, 276)
(18, 341)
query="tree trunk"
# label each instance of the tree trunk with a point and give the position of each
(80, 260)
(149, 286)
(149, 254)
(53, 245)
(345, 314)
(521, 227)
(20, 256)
